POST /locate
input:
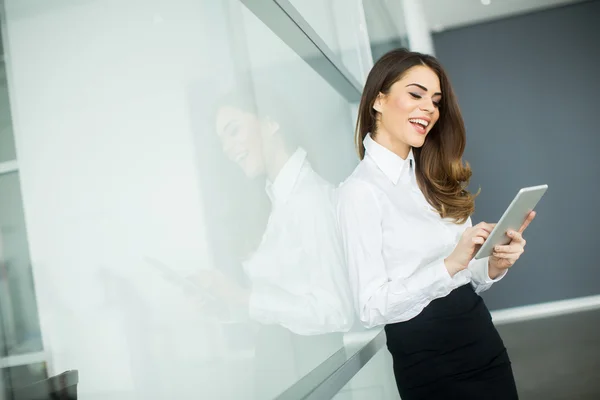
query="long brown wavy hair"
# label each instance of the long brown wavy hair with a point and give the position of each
(441, 173)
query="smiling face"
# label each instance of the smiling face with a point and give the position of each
(240, 135)
(408, 112)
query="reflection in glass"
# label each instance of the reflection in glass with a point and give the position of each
(126, 200)
(20, 376)
(385, 26)
(18, 311)
(291, 260)
(7, 143)
(375, 380)
(340, 24)
(297, 269)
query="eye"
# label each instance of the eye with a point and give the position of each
(415, 96)
(232, 129)
(437, 104)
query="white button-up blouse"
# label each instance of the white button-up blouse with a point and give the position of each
(395, 242)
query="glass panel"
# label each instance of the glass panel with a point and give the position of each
(7, 143)
(20, 330)
(374, 381)
(340, 24)
(385, 25)
(20, 376)
(319, 15)
(179, 169)
(284, 151)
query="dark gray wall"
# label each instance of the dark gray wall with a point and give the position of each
(529, 90)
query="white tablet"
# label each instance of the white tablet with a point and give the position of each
(512, 219)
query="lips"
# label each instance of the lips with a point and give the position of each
(240, 157)
(419, 124)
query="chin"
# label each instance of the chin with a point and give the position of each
(418, 142)
(250, 174)
(253, 172)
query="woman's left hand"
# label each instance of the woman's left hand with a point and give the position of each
(505, 256)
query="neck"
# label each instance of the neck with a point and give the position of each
(275, 163)
(397, 147)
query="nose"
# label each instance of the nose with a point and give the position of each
(227, 145)
(427, 105)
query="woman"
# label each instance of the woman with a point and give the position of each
(405, 220)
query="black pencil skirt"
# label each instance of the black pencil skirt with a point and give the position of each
(451, 350)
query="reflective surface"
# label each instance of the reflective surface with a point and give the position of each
(374, 381)
(20, 331)
(7, 143)
(385, 25)
(341, 25)
(20, 376)
(179, 173)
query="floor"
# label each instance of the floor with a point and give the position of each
(556, 358)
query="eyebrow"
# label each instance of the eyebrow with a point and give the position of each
(227, 127)
(423, 87)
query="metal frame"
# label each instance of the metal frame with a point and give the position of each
(288, 24)
(23, 359)
(8, 167)
(325, 381)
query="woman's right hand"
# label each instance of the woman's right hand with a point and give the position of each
(221, 286)
(470, 241)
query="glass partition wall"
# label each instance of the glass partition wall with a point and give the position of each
(167, 190)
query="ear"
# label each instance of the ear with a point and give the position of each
(271, 125)
(377, 105)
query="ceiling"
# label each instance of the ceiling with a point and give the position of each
(385, 18)
(446, 14)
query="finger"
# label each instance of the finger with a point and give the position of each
(506, 256)
(478, 240)
(201, 304)
(481, 233)
(516, 237)
(486, 226)
(528, 220)
(204, 279)
(512, 249)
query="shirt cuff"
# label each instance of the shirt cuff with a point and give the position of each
(258, 305)
(480, 271)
